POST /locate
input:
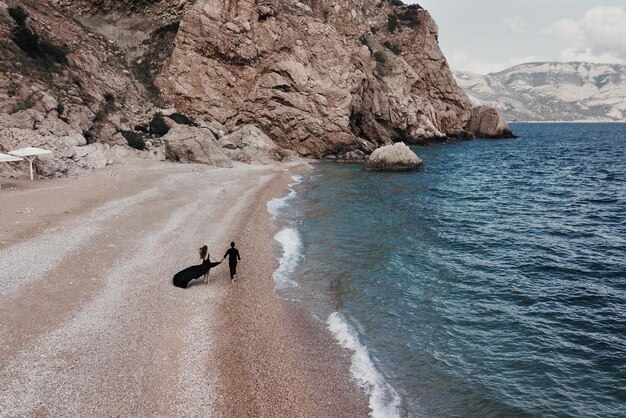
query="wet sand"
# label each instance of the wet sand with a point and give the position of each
(90, 324)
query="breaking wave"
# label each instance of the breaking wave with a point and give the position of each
(384, 401)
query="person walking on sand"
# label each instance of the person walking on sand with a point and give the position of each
(204, 253)
(233, 257)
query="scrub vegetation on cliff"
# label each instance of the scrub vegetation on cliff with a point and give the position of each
(44, 51)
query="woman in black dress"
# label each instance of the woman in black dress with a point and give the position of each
(204, 255)
(182, 278)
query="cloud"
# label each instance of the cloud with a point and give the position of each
(462, 62)
(599, 36)
(516, 25)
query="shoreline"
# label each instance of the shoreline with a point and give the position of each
(316, 302)
(91, 324)
(278, 361)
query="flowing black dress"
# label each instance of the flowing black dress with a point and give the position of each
(182, 278)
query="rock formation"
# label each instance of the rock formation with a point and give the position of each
(250, 145)
(317, 76)
(194, 145)
(62, 88)
(486, 122)
(395, 157)
(321, 78)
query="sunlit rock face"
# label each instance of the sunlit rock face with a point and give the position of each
(316, 76)
(320, 78)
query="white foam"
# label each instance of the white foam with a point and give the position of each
(384, 401)
(275, 205)
(289, 239)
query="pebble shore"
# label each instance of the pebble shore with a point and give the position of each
(90, 324)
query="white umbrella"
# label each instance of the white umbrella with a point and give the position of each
(4, 158)
(30, 153)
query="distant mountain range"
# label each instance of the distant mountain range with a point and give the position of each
(552, 91)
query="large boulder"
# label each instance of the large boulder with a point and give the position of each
(396, 157)
(70, 154)
(250, 145)
(190, 144)
(486, 122)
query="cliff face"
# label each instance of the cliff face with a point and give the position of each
(319, 77)
(62, 87)
(323, 78)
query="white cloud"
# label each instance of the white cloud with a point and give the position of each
(516, 25)
(462, 62)
(600, 36)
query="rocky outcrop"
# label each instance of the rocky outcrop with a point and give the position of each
(70, 152)
(320, 78)
(396, 157)
(155, 9)
(250, 145)
(194, 145)
(62, 88)
(486, 122)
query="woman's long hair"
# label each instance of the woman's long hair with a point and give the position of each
(204, 252)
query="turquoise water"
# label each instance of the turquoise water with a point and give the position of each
(491, 284)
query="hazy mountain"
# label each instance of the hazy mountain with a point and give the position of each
(545, 91)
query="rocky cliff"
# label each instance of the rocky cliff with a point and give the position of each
(322, 78)
(549, 91)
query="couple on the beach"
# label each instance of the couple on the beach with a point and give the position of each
(182, 278)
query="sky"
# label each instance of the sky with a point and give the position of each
(484, 36)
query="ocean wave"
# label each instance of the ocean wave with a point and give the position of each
(289, 239)
(384, 401)
(275, 205)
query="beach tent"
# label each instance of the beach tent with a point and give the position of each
(8, 158)
(30, 154)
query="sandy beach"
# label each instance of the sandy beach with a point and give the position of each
(91, 325)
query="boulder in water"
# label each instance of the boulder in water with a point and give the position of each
(396, 157)
(486, 122)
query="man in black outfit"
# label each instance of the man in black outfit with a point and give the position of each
(233, 256)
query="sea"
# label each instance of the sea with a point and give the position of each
(490, 284)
